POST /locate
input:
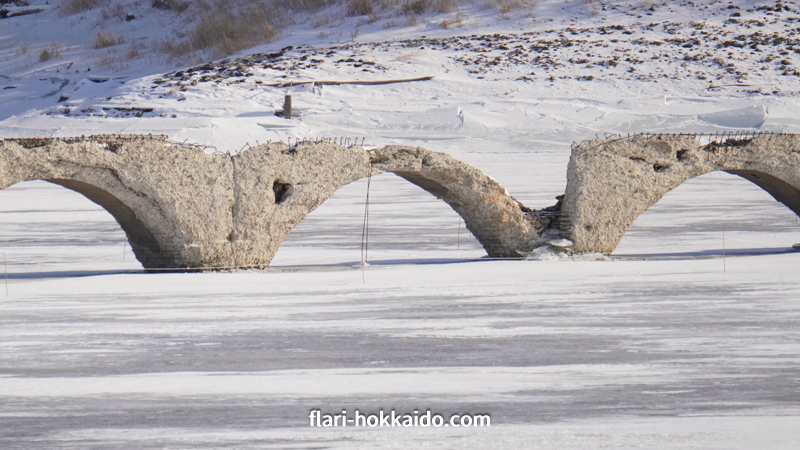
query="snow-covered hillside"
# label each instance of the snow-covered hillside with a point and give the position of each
(686, 337)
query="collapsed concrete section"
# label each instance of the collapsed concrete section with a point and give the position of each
(611, 181)
(181, 207)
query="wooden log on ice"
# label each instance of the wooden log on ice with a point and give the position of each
(337, 83)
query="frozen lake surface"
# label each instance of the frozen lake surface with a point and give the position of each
(648, 350)
(688, 336)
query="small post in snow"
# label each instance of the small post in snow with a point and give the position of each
(724, 264)
(287, 106)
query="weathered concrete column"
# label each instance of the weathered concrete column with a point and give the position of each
(610, 182)
(173, 202)
(275, 188)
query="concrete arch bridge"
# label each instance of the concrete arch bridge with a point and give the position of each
(181, 207)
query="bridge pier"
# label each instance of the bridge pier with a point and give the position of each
(611, 181)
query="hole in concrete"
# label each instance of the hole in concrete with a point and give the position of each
(281, 190)
(682, 154)
(113, 147)
(659, 167)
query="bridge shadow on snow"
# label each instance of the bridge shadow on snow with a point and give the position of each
(707, 254)
(69, 274)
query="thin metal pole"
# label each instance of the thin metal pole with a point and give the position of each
(5, 269)
(365, 230)
(458, 244)
(724, 263)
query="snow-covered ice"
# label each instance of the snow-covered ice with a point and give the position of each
(687, 337)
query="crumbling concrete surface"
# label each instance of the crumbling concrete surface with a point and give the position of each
(610, 182)
(173, 203)
(275, 188)
(497, 220)
(181, 207)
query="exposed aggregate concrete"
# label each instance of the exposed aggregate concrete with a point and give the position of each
(611, 181)
(181, 207)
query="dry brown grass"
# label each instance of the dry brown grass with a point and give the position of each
(113, 11)
(415, 6)
(70, 7)
(23, 49)
(51, 51)
(105, 39)
(171, 5)
(226, 28)
(445, 6)
(360, 7)
(507, 7)
(134, 52)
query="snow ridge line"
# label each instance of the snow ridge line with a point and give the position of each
(724, 137)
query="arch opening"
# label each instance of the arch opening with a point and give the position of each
(51, 229)
(689, 221)
(777, 188)
(405, 224)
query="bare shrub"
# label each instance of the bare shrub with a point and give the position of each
(109, 62)
(170, 5)
(51, 51)
(323, 20)
(133, 53)
(444, 6)
(24, 49)
(412, 20)
(508, 6)
(302, 5)
(268, 32)
(45, 55)
(225, 30)
(359, 7)
(446, 24)
(176, 49)
(70, 7)
(113, 11)
(219, 30)
(415, 6)
(105, 39)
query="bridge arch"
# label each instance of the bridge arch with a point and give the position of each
(184, 208)
(499, 222)
(491, 214)
(125, 177)
(610, 182)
